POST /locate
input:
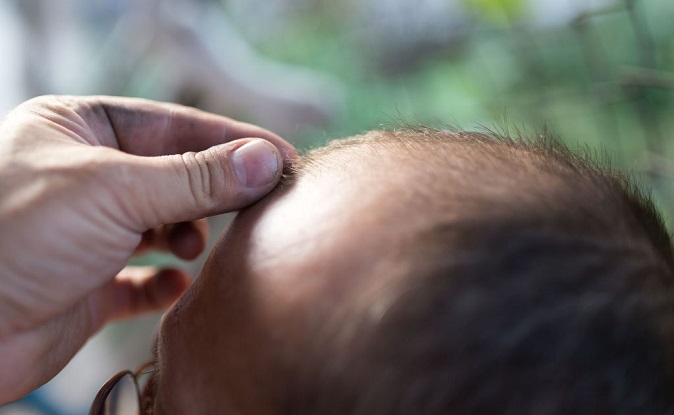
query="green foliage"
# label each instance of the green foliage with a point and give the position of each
(605, 79)
(497, 11)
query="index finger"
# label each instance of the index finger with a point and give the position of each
(149, 128)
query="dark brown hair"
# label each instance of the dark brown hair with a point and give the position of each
(551, 294)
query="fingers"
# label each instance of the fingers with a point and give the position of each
(190, 186)
(136, 290)
(186, 240)
(41, 352)
(148, 128)
(205, 164)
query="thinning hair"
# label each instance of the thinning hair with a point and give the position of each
(551, 292)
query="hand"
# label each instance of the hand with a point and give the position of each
(83, 180)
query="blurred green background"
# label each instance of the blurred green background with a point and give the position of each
(597, 76)
(597, 73)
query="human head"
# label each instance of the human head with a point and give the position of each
(430, 272)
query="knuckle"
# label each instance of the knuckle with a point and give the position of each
(202, 171)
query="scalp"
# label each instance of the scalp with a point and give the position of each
(539, 282)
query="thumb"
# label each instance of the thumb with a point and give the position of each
(189, 186)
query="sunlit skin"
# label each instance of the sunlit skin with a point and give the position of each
(422, 273)
(235, 341)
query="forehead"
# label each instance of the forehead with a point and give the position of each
(355, 192)
(326, 234)
(324, 215)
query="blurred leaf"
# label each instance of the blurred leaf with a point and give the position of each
(497, 11)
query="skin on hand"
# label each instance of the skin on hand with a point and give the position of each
(86, 183)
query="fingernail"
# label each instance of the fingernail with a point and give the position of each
(256, 163)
